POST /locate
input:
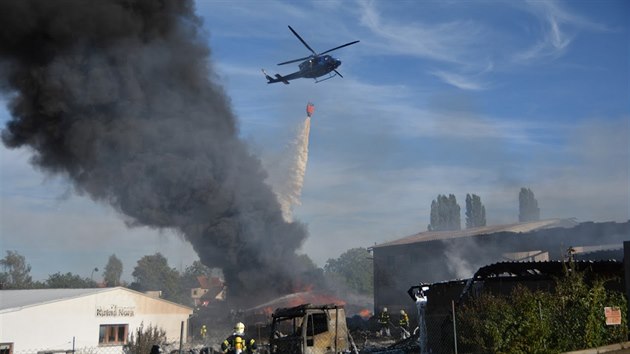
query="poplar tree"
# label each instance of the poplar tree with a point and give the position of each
(527, 206)
(475, 212)
(113, 271)
(445, 214)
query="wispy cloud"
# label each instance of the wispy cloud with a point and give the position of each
(259, 12)
(453, 44)
(460, 81)
(559, 27)
(393, 109)
(446, 42)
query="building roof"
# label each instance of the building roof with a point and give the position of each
(12, 300)
(515, 228)
(203, 282)
(209, 282)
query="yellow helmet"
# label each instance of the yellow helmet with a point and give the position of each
(239, 328)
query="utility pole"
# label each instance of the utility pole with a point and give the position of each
(181, 337)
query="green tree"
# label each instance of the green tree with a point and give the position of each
(354, 268)
(189, 277)
(475, 211)
(445, 214)
(68, 281)
(16, 272)
(527, 206)
(153, 273)
(113, 271)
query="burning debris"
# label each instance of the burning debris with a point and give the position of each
(118, 97)
(295, 299)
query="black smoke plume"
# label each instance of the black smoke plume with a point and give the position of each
(120, 97)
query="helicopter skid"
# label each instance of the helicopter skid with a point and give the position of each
(330, 76)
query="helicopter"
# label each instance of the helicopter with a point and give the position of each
(312, 66)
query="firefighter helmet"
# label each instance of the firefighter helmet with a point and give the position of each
(384, 309)
(402, 312)
(239, 328)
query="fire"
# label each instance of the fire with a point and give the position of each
(267, 310)
(365, 313)
(296, 299)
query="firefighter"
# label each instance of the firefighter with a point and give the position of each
(403, 322)
(203, 331)
(421, 304)
(383, 322)
(236, 343)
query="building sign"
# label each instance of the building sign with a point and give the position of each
(115, 311)
(613, 316)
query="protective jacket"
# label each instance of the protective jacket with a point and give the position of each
(383, 318)
(404, 320)
(237, 344)
(203, 331)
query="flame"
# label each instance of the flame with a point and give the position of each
(302, 288)
(296, 299)
(365, 313)
(267, 310)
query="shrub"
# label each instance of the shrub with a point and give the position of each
(141, 341)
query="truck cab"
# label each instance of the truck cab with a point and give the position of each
(309, 329)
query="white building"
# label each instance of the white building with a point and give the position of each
(93, 320)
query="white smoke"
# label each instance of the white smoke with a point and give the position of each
(459, 258)
(289, 190)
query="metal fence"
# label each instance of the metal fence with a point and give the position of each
(441, 331)
(69, 350)
(171, 348)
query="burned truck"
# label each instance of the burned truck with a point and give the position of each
(309, 329)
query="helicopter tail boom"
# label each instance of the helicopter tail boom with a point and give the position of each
(279, 78)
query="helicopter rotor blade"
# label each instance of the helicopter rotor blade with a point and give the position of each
(341, 46)
(338, 73)
(294, 60)
(303, 42)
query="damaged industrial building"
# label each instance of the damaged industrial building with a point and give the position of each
(457, 266)
(436, 256)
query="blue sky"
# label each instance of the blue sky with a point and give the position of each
(439, 97)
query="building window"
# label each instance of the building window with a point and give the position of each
(6, 348)
(115, 334)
